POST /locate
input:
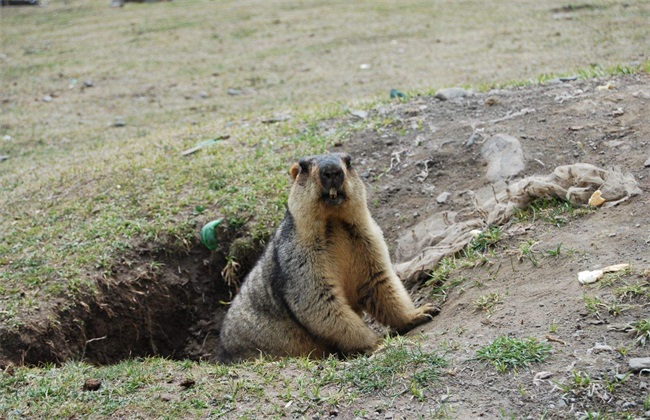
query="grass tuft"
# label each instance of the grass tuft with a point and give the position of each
(507, 353)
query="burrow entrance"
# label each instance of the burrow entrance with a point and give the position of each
(154, 304)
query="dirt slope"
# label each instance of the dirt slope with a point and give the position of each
(602, 122)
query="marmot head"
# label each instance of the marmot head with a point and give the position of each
(328, 182)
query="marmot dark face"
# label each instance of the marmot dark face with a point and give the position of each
(328, 178)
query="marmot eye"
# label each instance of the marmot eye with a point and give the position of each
(304, 165)
(348, 161)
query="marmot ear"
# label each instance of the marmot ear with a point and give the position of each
(294, 171)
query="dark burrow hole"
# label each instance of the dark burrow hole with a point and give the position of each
(159, 304)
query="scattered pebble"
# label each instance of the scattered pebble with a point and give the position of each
(47, 98)
(598, 348)
(476, 136)
(88, 83)
(359, 114)
(639, 363)
(448, 94)
(443, 197)
(618, 112)
(3, 158)
(277, 118)
(364, 66)
(504, 156)
(119, 122)
(8, 138)
(647, 163)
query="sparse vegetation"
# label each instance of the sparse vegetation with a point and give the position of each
(507, 353)
(487, 302)
(553, 211)
(486, 239)
(526, 251)
(641, 331)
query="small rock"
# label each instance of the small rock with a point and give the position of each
(92, 384)
(277, 118)
(639, 363)
(598, 348)
(443, 197)
(117, 3)
(203, 94)
(476, 136)
(3, 158)
(647, 163)
(627, 405)
(8, 138)
(448, 94)
(359, 114)
(119, 122)
(364, 66)
(47, 98)
(504, 156)
(88, 83)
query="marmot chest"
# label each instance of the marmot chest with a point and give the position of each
(347, 257)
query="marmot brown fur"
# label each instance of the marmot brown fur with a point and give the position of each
(326, 264)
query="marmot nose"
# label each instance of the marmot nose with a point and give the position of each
(331, 175)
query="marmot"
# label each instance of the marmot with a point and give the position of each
(326, 264)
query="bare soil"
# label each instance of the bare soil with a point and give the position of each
(566, 122)
(168, 305)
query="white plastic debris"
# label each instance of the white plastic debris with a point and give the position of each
(587, 277)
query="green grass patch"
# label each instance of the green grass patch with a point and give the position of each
(155, 387)
(507, 353)
(396, 362)
(550, 210)
(486, 239)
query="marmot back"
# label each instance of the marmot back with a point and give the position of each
(326, 264)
